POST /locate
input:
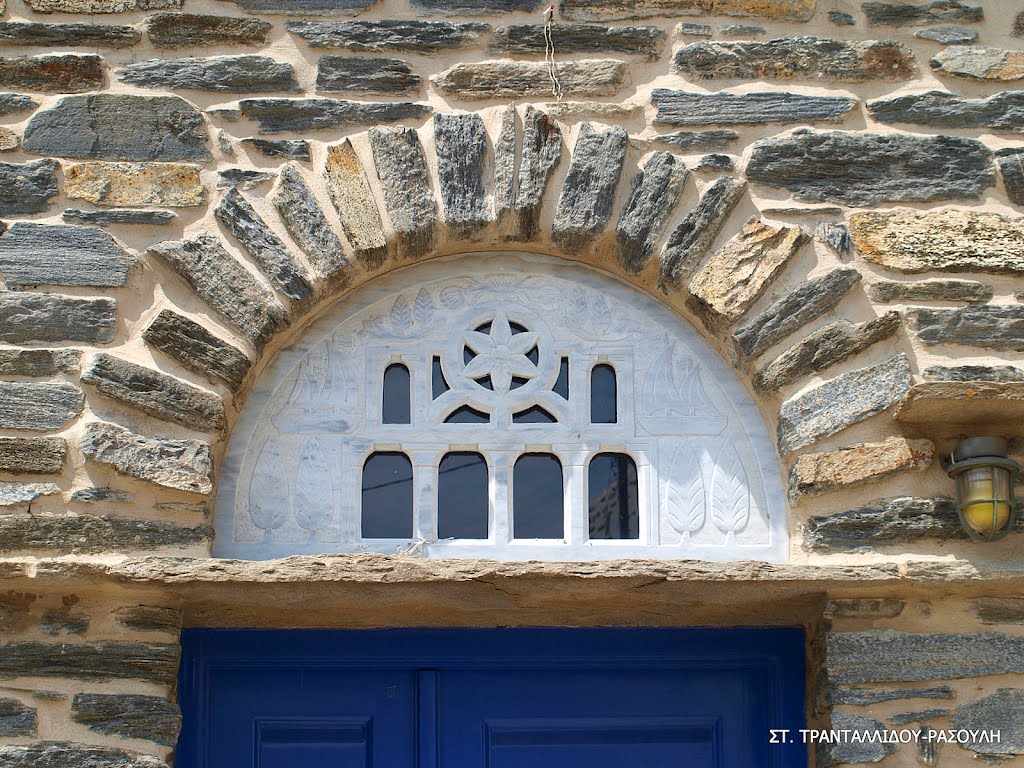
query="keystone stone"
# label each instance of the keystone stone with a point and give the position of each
(225, 285)
(106, 218)
(108, 126)
(236, 74)
(476, 7)
(864, 696)
(366, 75)
(155, 393)
(824, 348)
(44, 317)
(578, 38)
(58, 754)
(817, 473)
(16, 719)
(796, 58)
(991, 327)
(870, 750)
(978, 62)
(949, 35)
(608, 10)
(278, 115)
(1002, 111)
(997, 373)
(1001, 712)
(32, 455)
(173, 184)
(460, 143)
(179, 30)
(128, 715)
(151, 662)
(15, 103)
(27, 187)
(350, 192)
(726, 287)
(841, 402)
(656, 190)
(15, 494)
(149, 618)
(390, 34)
(864, 169)
(402, 168)
(505, 172)
(808, 301)
(283, 270)
(885, 522)
(49, 254)
(37, 362)
(588, 193)
(969, 291)
(308, 226)
(197, 349)
(999, 610)
(690, 241)
(59, 73)
(681, 108)
(514, 79)
(908, 14)
(293, 149)
(698, 141)
(184, 465)
(36, 406)
(63, 35)
(541, 153)
(1011, 166)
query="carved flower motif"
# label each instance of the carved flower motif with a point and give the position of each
(500, 354)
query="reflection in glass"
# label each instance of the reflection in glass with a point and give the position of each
(462, 506)
(387, 497)
(614, 499)
(395, 408)
(603, 406)
(537, 505)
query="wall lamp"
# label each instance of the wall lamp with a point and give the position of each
(985, 479)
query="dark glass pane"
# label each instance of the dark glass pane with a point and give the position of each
(537, 505)
(465, 414)
(517, 382)
(438, 383)
(614, 501)
(603, 406)
(395, 408)
(387, 497)
(562, 383)
(462, 507)
(533, 415)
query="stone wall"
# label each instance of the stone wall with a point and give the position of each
(828, 190)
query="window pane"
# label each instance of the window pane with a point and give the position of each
(438, 383)
(537, 507)
(614, 500)
(562, 383)
(462, 506)
(603, 407)
(387, 497)
(533, 415)
(466, 414)
(395, 408)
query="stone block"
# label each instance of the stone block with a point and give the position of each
(578, 38)
(84, 534)
(68, 35)
(131, 716)
(864, 696)
(37, 406)
(17, 494)
(968, 291)
(1011, 167)
(999, 610)
(172, 184)
(149, 618)
(37, 362)
(941, 109)
(475, 7)
(63, 622)
(52, 73)
(16, 719)
(698, 141)
(990, 327)
(350, 192)
(541, 154)
(183, 465)
(239, 178)
(307, 7)
(1001, 712)
(47, 754)
(817, 473)
(841, 402)
(32, 455)
(517, 79)
(91, 7)
(27, 187)
(682, 108)
(278, 115)
(233, 74)
(44, 317)
(870, 749)
(609, 10)
(836, 237)
(106, 218)
(374, 74)
(690, 241)
(47, 254)
(150, 662)
(947, 35)
(308, 226)
(885, 522)
(16, 103)
(997, 373)
(912, 15)
(179, 30)
(402, 168)
(690, 29)
(390, 35)
(962, 407)
(460, 144)
(979, 62)
(655, 192)
(865, 608)
(101, 496)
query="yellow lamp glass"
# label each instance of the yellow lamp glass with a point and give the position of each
(985, 498)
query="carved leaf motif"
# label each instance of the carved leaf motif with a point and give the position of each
(401, 315)
(268, 491)
(730, 497)
(684, 501)
(312, 500)
(452, 298)
(424, 308)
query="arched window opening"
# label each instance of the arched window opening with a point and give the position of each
(604, 407)
(467, 414)
(438, 383)
(396, 405)
(463, 509)
(387, 497)
(561, 387)
(538, 510)
(614, 498)
(533, 415)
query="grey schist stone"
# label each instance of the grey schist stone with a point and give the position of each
(884, 522)
(62, 35)
(305, 221)
(16, 494)
(841, 18)
(655, 192)
(55, 73)
(846, 751)
(1003, 111)
(57, 754)
(1003, 712)
(27, 187)
(904, 718)
(48, 254)
(37, 406)
(374, 74)
(350, 192)
(715, 163)
(101, 496)
(307, 7)
(588, 193)
(792, 58)
(824, 348)
(513, 79)
(132, 716)
(845, 400)
(197, 349)
(884, 656)
(865, 608)
(578, 38)
(16, 719)
(1011, 166)
(184, 465)
(32, 455)
(460, 143)
(390, 34)
(179, 30)
(698, 141)
(742, 30)
(682, 108)
(108, 126)
(37, 362)
(241, 178)
(864, 696)
(836, 237)
(541, 153)
(948, 35)
(15, 103)
(686, 28)
(991, 327)
(908, 14)
(278, 115)
(225, 285)
(999, 610)
(120, 216)
(997, 373)
(151, 662)
(475, 7)
(26, 316)
(864, 169)
(63, 622)
(402, 168)
(283, 270)
(505, 172)
(692, 239)
(149, 618)
(155, 393)
(235, 74)
(293, 149)
(969, 291)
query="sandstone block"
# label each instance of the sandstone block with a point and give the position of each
(278, 115)
(27, 317)
(36, 406)
(106, 218)
(17, 494)
(605, 10)
(308, 226)
(402, 168)
(910, 14)
(885, 522)
(578, 38)
(56, 73)
(64, 35)
(178, 30)
(390, 34)
(350, 192)
(173, 184)
(16, 719)
(151, 662)
(515, 79)
(656, 190)
(698, 141)
(366, 75)
(47, 254)
(37, 362)
(460, 143)
(1011, 166)
(55, 753)
(682, 108)
(235, 74)
(541, 153)
(948, 35)
(32, 455)
(979, 62)
(817, 473)
(27, 187)
(128, 715)
(991, 327)
(969, 291)
(997, 373)
(691, 240)
(941, 109)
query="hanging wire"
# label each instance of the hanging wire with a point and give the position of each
(549, 53)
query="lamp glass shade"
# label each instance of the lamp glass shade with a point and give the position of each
(985, 498)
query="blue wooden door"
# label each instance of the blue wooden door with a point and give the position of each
(517, 698)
